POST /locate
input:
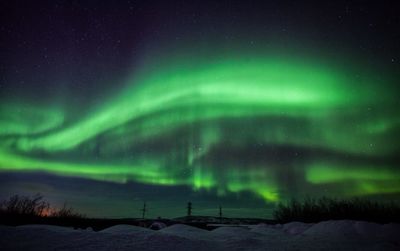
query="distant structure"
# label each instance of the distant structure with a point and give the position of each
(144, 210)
(189, 209)
(220, 213)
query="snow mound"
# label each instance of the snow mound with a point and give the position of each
(266, 229)
(186, 231)
(367, 228)
(157, 225)
(180, 228)
(328, 235)
(165, 241)
(125, 229)
(237, 232)
(332, 228)
(295, 227)
(390, 232)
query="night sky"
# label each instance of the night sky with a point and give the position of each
(243, 104)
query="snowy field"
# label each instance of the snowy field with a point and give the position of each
(329, 235)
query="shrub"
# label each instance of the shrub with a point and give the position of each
(25, 205)
(35, 206)
(315, 210)
(66, 212)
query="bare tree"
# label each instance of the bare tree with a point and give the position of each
(144, 210)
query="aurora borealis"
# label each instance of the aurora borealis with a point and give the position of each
(201, 118)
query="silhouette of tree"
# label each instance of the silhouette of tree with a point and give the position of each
(144, 210)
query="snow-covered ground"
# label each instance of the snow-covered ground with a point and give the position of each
(328, 235)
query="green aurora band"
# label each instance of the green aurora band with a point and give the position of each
(197, 125)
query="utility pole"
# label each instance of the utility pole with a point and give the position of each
(220, 214)
(144, 210)
(189, 209)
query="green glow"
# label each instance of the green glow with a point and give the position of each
(184, 113)
(325, 173)
(260, 181)
(238, 180)
(367, 180)
(203, 179)
(23, 119)
(232, 88)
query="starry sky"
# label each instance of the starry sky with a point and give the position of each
(242, 104)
